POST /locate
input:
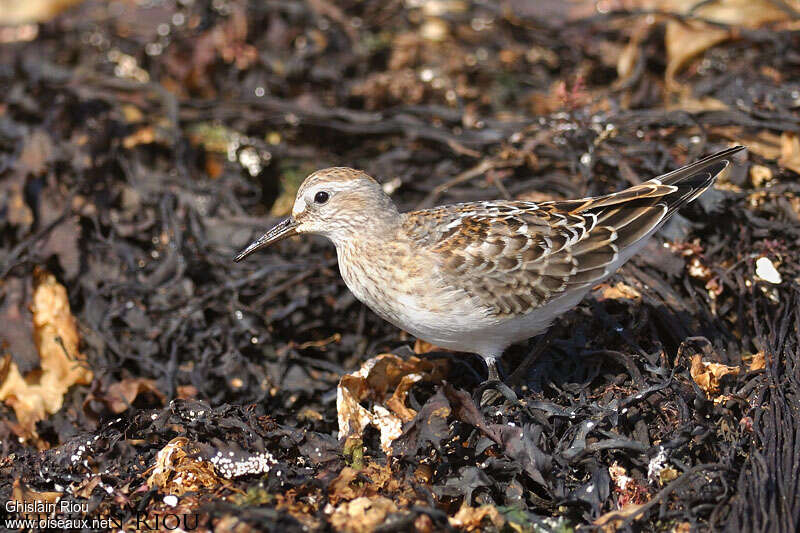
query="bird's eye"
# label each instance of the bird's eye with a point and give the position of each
(321, 197)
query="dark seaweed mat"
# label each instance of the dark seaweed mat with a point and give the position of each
(612, 385)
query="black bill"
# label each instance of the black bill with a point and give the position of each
(282, 230)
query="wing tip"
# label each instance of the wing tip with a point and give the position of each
(716, 164)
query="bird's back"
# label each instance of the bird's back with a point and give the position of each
(513, 257)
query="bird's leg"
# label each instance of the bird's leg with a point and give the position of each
(492, 371)
(493, 388)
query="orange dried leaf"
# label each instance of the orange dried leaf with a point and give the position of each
(341, 489)
(397, 403)
(145, 135)
(618, 291)
(380, 480)
(362, 515)
(41, 392)
(612, 520)
(472, 518)
(22, 495)
(302, 504)
(790, 151)
(758, 362)
(630, 490)
(688, 38)
(122, 394)
(684, 41)
(423, 347)
(86, 487)
(763, 143)
(384, 380)
(759, 175)
(746, 13)
(708, 375)
(177, 472)
(15, 12)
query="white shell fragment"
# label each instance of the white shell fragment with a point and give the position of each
(766, 271)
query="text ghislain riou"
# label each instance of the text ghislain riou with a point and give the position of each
(62, 507)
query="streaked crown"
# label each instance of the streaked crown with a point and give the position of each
(340, 202)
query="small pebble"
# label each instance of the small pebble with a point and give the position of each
(767, 271)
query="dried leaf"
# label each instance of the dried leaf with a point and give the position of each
(371, 481)
(86, 487)
(397, 403)
(707, 375)
(342, 489)
(22, 495)
(630, 55)
(362, 515)
(612, 520)
(759, 175)
(763, 143)
(144, 135)
(688, 102)
(746, 13)
(472, 518)
(5, 367)
(385, 381)
(758, 362)
(423, 347)
(301, 505)
(666, 475)
(40, 393)
(176, 471)
(685, 39)
(790, 151)
(618, 291)
(122, 394)
(16, 12)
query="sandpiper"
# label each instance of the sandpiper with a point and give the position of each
(480, 276)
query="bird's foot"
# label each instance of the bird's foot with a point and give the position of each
(490, 391)
(493, 388)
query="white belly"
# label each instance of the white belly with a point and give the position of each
(449, 318)
(475, 332)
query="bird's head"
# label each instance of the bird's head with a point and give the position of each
(339, 203)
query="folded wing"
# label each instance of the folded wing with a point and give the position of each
(513, 256)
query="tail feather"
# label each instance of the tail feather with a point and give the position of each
(622, 220)
(713, 163)
(671, 190)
